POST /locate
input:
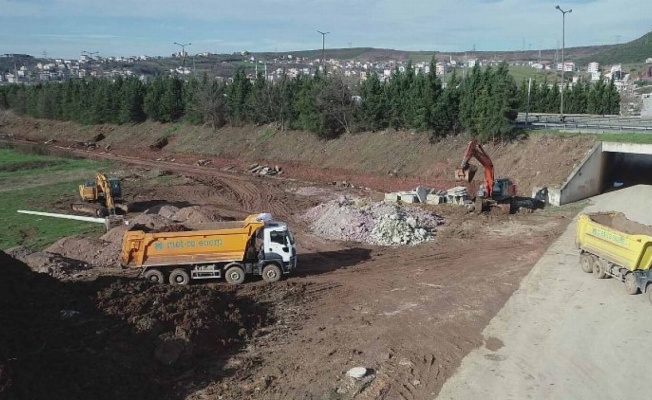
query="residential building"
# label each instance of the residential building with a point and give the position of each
(440, 68)
(568, 66)
(594, 67)
(616, 68)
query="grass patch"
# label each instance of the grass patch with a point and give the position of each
(265, 135)
(172, 130)
(640, 138)
(41, 183)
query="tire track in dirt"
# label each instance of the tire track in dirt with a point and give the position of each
(248, 193)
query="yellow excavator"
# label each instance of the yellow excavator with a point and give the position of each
(101, 197)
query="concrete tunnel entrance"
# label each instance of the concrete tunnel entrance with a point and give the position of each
(607, 166)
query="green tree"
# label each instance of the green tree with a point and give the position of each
(374, 104)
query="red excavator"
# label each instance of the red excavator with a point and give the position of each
(493, 192)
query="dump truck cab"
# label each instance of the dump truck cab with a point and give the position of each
(278, 245)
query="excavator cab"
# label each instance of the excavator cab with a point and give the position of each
(116, 188)
(504, 189)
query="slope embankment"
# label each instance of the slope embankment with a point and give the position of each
(401, 158)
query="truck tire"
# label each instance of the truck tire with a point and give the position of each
(235, 275)
(179, 277)
(586, 262)
(599, 269)
(154, 276)
(272, 273)
(630, 284)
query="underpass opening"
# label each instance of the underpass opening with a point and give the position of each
(625, 169)
(608, 166)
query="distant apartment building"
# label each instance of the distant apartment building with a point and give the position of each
(440, 68)
(566, 67)
(472, 63)
(616, 68)
(595, 76)
(594, 67)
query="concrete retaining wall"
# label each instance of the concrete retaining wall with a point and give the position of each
(588, 179)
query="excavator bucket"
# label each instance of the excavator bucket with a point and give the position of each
(465, 174)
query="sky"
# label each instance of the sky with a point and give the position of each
(66, 28)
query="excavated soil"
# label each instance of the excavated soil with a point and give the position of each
(111, 339)
(619, 222)
(407, 313)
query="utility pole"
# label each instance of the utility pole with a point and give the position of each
(323, 50)
(183, 53)
(563, 45)
(527, 109)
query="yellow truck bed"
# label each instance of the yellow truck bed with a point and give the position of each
(203, 244)
(614, 238)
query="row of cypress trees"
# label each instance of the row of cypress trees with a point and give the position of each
(485, 103)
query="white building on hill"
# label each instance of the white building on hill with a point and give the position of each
(594, 67)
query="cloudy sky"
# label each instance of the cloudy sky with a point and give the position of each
(65, 28)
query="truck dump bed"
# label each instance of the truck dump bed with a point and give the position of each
(616, 239)
(202, 244)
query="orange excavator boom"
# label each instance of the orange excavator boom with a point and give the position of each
(467, 171)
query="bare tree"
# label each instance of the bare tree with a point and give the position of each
(208, 102)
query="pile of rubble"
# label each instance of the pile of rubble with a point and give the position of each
(258, 169)
(380, 224)
(457, 195)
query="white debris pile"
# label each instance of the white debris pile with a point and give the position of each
(258, 169)
(381, 224)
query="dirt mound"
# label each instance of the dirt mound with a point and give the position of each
(145, 222)
(55, 265)
(197, 215)
(167, 211)
(382, 224)
(96, 252)
(620, 222)
(111, 338)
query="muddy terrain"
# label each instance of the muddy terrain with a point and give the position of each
(408, 312)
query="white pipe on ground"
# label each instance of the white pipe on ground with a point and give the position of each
(64, 216)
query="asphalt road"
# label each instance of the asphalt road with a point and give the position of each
(564, 334)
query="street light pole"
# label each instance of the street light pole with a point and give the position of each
(323, 50)
(563, 66)
(183, 52)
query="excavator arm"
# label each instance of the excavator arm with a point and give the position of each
(103, 183)
(467, 171)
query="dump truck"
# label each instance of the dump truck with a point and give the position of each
(613, 246)
(256, 246)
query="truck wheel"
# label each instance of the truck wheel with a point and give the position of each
(586, 262)
(272, 273)
(630, 284)
(154, 276)
(598, 269)
(179, 277)
(235, 275)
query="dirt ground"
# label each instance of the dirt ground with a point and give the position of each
(407, 314)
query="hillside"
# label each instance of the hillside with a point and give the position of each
(632, 52)
(538, 161)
